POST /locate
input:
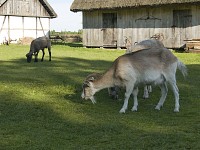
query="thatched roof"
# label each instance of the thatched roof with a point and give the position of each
(86, 5)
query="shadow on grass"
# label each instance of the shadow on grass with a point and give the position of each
(69, 71)
(40, 125)
(59, 122)
(66, 69)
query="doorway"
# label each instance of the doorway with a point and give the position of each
(182, 20)
(109, 29)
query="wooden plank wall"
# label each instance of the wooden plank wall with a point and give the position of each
(23, 8)
(92, 33)
(134, 24)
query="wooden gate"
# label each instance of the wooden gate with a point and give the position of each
(109, 30)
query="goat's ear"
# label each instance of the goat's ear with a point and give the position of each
(91, 79)
(28, 55)
(127, 43)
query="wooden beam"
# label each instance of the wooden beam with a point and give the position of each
(8, 28)
(3, 23)
(23, 26)
(36, 27)
(42, 26)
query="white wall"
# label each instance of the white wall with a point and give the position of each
(23, 27)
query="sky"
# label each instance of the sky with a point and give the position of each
(66, 20)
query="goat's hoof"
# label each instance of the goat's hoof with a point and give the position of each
(157, 107)
(176, 110)
(122, 111)
(150, 90)
(134, 109)
(146, 96)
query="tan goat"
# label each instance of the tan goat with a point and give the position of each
(145, 44)
(133, 69)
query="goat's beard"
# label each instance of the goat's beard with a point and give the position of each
(93, 99)
(87, 97)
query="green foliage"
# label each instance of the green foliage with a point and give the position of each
(79, 32)
(41, 107)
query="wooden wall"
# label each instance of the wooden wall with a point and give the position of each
(139, 24)
(92, 25)
(23, 8)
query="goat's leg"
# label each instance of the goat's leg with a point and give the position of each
(146, 92)
(43, 53)
(149, 88)
(129, 89)
(135, 93)
(36, 56)
(176, 95)
(164, 91)
(109, 91)
(49, 49)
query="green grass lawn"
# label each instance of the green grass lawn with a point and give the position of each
(41, 107)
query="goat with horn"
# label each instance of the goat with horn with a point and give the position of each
(134, 69)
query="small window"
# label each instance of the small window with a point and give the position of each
(182, 18)
(109, 20)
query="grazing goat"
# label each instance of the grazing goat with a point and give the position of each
(133, 69)
(146, 44)
(39, 44)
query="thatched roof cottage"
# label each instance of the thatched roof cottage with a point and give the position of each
(106, 23)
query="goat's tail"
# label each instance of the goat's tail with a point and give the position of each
(182, 68)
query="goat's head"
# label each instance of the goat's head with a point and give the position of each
(28, 57)
(113, 92)
(128, 44)
(88, 91)
(88, 88)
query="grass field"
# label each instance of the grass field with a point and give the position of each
(41, 107)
